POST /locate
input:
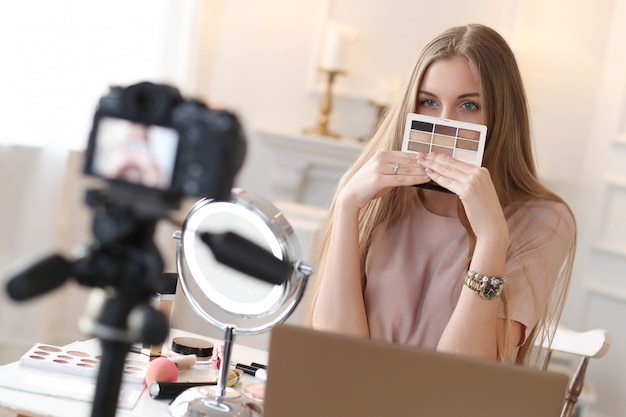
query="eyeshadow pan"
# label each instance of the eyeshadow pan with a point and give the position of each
(467, 144)
(420, 136)
(442, 150)
(418, 147)
(77, 353)
(445, 130)
(469, 134)
(49, 348)
(423, 126)
(464, 155)
(84, 365)
(443, 140)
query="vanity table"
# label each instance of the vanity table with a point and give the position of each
(16, 403)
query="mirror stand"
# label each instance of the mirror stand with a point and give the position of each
(228, 300)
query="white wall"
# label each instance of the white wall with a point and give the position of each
(264, 66)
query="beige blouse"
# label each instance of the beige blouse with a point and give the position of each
(414, 272)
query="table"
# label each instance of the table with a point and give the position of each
(26, 404)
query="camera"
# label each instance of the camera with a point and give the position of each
(148, 142)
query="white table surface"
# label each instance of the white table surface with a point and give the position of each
(30, 404)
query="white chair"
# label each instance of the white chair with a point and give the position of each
(589, 344)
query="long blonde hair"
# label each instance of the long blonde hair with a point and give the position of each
(508, 152)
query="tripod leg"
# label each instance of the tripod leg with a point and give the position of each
(109, 378)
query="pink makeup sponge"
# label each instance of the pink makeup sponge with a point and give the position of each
(162, 370)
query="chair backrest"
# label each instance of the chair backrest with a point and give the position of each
(586, 345)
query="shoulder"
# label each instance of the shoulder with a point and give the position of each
(541, 219)
(540, 211)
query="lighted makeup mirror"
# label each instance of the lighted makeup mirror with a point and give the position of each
(232, 301)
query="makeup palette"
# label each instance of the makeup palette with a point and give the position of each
(460, 140)
(77, 362)
(71, 372)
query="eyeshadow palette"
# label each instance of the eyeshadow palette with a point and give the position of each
(460, 140)
(71, 372)
(77, 362)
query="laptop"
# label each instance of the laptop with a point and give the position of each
(320, 374)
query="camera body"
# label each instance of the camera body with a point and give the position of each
(148, 142)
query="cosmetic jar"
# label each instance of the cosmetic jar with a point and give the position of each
(203, 349)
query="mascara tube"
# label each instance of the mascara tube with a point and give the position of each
(259, 373)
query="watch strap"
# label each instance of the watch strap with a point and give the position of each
(488, 288)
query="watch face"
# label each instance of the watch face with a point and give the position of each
(491, 287)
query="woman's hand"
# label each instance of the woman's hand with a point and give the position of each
(340, 306)
(473, 185)
(385, 170)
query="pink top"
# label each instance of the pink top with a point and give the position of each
(414, 273)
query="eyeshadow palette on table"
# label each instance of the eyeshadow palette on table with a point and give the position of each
(71, 372)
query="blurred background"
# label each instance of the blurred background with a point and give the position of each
(260, 59)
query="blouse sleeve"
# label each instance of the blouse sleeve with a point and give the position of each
(541, 235)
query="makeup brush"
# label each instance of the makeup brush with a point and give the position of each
(166, 389)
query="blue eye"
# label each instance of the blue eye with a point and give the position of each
(428, 102)
(470, 105)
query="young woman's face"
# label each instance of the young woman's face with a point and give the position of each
(450, 91)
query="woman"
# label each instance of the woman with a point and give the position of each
(404, 264)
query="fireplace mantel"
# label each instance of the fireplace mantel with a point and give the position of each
(306, 168)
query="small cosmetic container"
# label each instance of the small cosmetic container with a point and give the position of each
(162, 300)
(203, 349)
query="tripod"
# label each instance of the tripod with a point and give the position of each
(123, 264)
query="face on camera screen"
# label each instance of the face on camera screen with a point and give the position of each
(135, 153)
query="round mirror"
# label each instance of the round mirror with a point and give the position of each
(219, 293)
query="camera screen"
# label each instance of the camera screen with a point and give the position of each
(135, 153)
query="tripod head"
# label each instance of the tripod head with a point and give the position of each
(123, 261)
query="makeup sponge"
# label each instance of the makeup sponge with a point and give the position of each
(162, 370)
(166, 369)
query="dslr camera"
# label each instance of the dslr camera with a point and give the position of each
(150, 144)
